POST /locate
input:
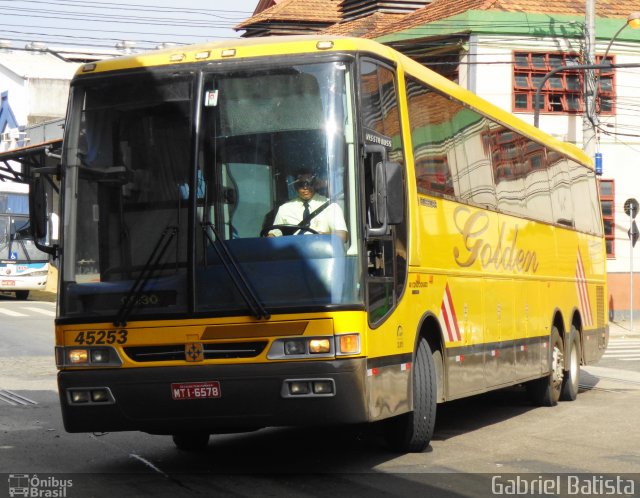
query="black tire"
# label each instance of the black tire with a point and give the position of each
(546, 390)
(412, 432)
(191, 441)
(439, 365)
(22, 295)
(571, 381)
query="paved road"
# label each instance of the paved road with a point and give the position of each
(476, 439)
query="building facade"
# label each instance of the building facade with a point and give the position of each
(34, 88)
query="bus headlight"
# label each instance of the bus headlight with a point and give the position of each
(90, 396)
(103, 356)
(79, 397)
(295, 347)
(301, 347)
(78, 356)
(317, 346)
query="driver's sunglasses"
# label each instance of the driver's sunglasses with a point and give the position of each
(299, 184)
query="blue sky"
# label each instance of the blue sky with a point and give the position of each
(102, 23)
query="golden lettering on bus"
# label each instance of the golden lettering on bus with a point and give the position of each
(502, 254)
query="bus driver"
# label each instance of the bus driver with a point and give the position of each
(317, 212)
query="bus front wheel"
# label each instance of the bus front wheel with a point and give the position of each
(546, 390)
(191, 441)
(412, 432)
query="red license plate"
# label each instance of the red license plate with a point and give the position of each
(9, 283)
(196, 390)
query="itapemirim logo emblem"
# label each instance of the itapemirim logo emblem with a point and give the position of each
(33, 486)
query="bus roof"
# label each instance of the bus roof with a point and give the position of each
(14, 187)
(243, 48)
(235, 49)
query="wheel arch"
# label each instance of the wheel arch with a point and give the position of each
(430, 330)
(558, 322)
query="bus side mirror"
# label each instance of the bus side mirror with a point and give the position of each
(395, 194)
(38, 214)
(388, 197)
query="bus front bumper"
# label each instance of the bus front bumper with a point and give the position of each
(214, 398)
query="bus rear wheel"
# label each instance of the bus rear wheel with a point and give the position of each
(412, 432)
(546, 390)
(22, 295)
(570, 384)
(191, 441)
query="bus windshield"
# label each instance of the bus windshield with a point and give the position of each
(185, 192)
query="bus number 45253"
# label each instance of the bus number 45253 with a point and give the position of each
(92, 337)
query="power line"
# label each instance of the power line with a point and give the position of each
(154, 21)
(191, 34)
(88, 20)
(135, 7)
(93, 38)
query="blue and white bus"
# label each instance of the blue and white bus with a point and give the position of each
(23, 267)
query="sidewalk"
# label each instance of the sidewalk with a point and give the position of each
(623, 328)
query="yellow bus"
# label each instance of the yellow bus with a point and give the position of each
(452, 249)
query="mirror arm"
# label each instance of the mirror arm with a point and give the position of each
(378, 232)
(372, 148)
(53, 250)
(47, 170)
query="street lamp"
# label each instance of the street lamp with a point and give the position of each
(633, 21)
(592, 87)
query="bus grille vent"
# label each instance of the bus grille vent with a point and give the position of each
(600, 306)
(176, 352)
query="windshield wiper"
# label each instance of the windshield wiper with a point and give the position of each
(235, 273)
(155, 257)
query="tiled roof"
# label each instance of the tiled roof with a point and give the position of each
(379, 24)
(441, 9)
(362, 26)
(314, 11)
(264, 5)
(604, 8)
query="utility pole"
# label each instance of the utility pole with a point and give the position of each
(589, 116)
(631, 209)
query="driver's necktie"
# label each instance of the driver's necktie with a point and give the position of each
(305, 214)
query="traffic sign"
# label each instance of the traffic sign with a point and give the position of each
(631, 207)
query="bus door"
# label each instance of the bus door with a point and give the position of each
(386, 239)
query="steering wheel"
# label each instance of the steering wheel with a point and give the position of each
(287, 229)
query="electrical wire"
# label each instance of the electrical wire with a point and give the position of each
(137, 7)
(88, 20)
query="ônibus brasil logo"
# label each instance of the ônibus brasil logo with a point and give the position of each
(38, 487)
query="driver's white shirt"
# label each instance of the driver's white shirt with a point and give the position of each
(328, 220)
